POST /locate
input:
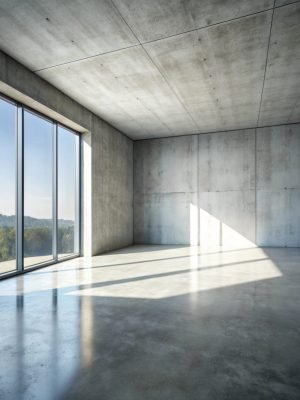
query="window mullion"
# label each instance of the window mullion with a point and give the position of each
(20, 189)
(77, 199)
(54, 197)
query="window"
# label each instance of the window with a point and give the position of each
(68, 178)
(8, 125)
(40, 190)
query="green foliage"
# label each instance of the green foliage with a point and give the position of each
(66, 240)
(30, 222)
(7, 243)
(37, 241)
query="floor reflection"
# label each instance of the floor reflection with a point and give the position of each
(86, 317)
(40, 342)
(156, 324)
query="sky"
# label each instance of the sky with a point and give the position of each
(38, 164)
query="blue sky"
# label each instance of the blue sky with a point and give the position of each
(7, 158)
(37, 166)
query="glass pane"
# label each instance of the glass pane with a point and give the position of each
(38, 189)
(67, 177)
(8, 127)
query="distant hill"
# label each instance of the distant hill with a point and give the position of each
(29, 222)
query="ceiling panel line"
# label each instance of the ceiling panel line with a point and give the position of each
(86, 58)
(264, 24)
(135, 35)
(282, 89)
(162, 38)
(211, 25)
(158, 69)
(121, 15)
(165, 89)
(265, 69)
(213, 132)
(170, 87)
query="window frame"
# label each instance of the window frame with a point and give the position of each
(19, 192)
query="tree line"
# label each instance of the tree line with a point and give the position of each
(37, 241)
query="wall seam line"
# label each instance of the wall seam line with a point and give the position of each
(255, 185)
(265, 69)
(198, 192)
(133, 194)
(212, 132)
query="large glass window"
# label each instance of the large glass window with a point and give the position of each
(39, 190)
(8, 143)
(68, 176)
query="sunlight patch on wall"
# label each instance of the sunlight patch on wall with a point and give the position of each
(210, 230)
(216, 234)
(193, 225)
(231, 239)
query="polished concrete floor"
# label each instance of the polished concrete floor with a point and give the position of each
(10, 265)
(154, 322)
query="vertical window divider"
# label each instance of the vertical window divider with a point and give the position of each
(55, 194)
(77, 222)
(20, 190)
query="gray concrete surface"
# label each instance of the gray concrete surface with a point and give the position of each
(234, 189)
(165, 184)
(107, 157)
(217, 72)
(278, 218)
(163, 218)
(166, 166)
(124, 84)
(227, 218)
(284, 2)
(159, 68)
(281, 95)
(278, 186)
(226, 161)
(21, 84)
(58, 32)
(278, 157)
(226, 188)
(162, 18)
(154, 322)
(112, 203)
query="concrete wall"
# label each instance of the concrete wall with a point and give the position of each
(112, 204)
(278, 186)
(233, 189)
(165, 184)
(226, 188)
(107, 207)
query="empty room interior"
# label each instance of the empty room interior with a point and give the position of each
(149, 200)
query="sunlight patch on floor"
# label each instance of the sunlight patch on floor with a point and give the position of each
(192, 281)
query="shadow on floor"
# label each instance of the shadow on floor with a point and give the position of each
(236, 342)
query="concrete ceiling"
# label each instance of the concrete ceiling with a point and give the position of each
(164, 67)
